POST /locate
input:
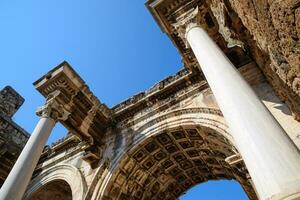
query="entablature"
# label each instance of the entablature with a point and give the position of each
(161, 91)
(168, 13)
(88, 118)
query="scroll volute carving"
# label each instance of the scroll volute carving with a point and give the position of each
(53, 108)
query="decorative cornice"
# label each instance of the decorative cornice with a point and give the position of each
(166, 13)
(70, 101)
(175, 17)
(175, 113)
(151, 96)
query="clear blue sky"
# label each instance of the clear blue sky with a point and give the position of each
(115, 46)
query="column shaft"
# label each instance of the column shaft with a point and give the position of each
(272, 159)
(20, 175)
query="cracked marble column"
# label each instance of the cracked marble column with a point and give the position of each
(272, 159)
(16, 183)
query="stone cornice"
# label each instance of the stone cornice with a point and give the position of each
(164, 105)
(170, 91)
(88, 117)
(62, 145)
(170, 81)
(173, 16)
(165, 89)
(166, 13)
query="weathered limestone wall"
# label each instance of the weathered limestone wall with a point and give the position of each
(266, 31)
(190, 107)
(62, 162)
(280, 111)
(12, 137)
(269, 30)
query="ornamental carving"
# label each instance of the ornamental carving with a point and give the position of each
(52, 109)
(185, 22)
(166, 165)
(161, 142)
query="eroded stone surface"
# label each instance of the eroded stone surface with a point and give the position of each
(56, 190)
(159, 143)
(165, 166)
(274, 26)
(267, 31)
(10, 101)
(12, 137)
(163, 142)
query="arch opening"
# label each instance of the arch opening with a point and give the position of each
(215, 190)
(168, 164)
(69, 174)
(55, 190)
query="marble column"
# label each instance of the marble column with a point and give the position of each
(16, 183)
(272, 159)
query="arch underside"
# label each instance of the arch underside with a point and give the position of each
(63, 177)
(166, 165)
(54, 190)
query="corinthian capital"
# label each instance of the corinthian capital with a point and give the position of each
(53, 109)
(186, 21)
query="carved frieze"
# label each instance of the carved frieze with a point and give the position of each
(70, 102)
(74, 104)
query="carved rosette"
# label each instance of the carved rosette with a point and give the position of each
(52, 109)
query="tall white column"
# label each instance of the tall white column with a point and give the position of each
(272, 159)
(20, 175)
(16, 183)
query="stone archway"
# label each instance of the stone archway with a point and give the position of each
(66, 175)
(167, 164)
(54, 190)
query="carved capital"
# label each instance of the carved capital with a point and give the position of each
(52, 109)
(185, 22)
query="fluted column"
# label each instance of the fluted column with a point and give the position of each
(272, 159)
(16, 183)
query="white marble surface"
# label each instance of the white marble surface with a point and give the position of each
(271, 157)
(20, 175)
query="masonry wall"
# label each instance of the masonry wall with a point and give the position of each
(194, 105)
(12, 137)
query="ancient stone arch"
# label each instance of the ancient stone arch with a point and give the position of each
(123, 152)
(55, 190)
(173, 153)
(63, 173)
